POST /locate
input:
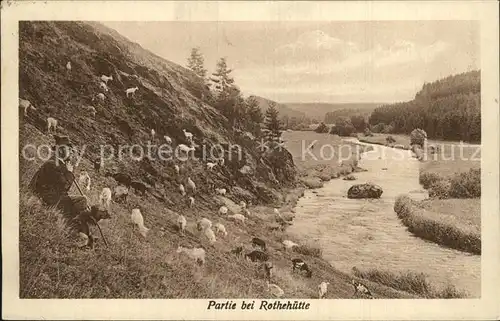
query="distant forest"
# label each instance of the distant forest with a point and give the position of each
(448, 109)
(332, 116)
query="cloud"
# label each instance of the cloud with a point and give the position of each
(315, 44)
(401, 52)
(319, 67)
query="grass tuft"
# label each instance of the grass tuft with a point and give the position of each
(411, 282)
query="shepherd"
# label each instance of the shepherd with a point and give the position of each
(52, 183)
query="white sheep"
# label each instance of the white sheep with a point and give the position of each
(91, 110)
(105, 78)
(25, 104)
(221, 191)
(191, 184)
(287, 244)
(101, 96)
(197, 254)
(168, 139)
(138, 220)
(120, 192)
(103, 86)
(323, 289)
(191, 201)
(237, 217)
(245, 170)
(177, 169)
(223, 210)
(203, 223)
(221, 161)
(210, 235)
(131, 91)
(84, 180)
(105, 197)
(210, 165)
(182, 189)
(221, 229)
(276, 211)
(188, 135)
(184, 148)
(181, 223)
(68, 65)
(51, 123)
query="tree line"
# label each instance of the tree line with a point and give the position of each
(447, 109)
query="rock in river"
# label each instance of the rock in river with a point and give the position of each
(364, 191)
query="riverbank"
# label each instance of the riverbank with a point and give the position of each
(452, 215)
(367, 235)
(332, 157)
(457, 229)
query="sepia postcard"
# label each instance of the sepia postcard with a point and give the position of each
(250, 160)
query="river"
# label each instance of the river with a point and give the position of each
(367, 233)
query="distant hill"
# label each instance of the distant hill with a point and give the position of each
(318, 110)
(448, 109)
(330, 117)
(283, 109)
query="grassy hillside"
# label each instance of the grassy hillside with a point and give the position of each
(169, 99)
(318, 111)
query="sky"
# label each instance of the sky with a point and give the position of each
(331, 62)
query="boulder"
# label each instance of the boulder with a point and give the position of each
(366, 190)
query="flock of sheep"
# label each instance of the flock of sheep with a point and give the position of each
(203, 225)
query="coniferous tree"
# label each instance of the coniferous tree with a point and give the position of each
(196, 62)
(222, 79)
(272, 123)
(255, 117)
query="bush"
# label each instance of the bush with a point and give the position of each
(466, 185)
(440, 189)
(378, 128)
(418, 137)
(428, 227)
(343, 127)
(387, 129)
(359, 122)
(426, 179)
(402, 205)
(322, 128)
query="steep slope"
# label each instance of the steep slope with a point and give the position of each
(168, 100)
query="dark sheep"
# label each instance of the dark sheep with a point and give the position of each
(139, 187)
(299, 264)
(97, 164)
(259, 242)
(257, 256)
(121, 178)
